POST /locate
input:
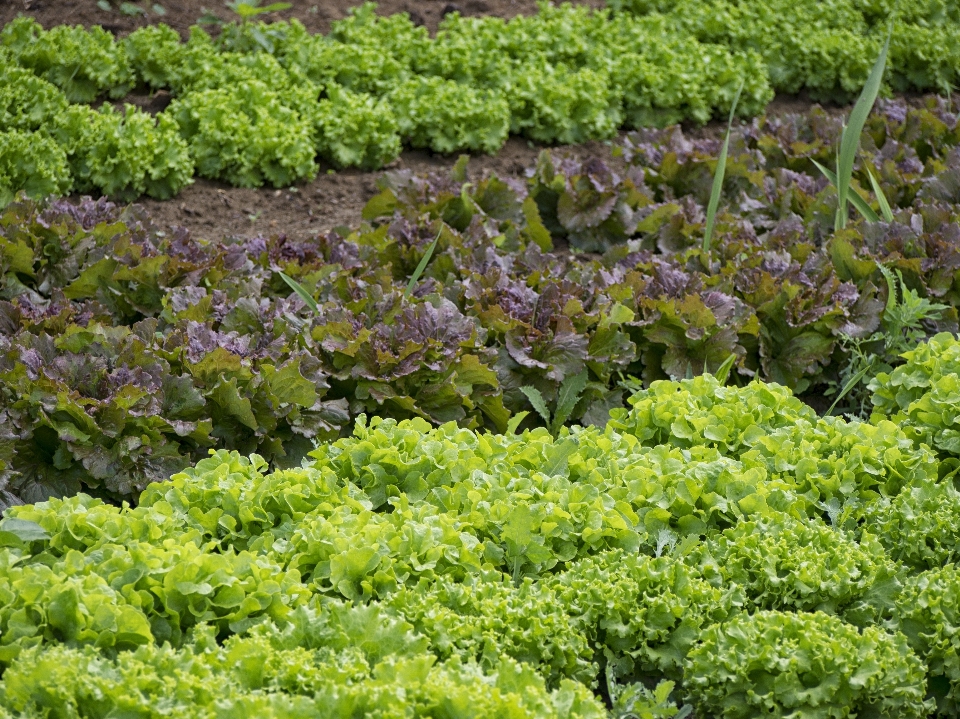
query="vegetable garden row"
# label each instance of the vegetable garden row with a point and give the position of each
(128, 352)
(753, 557)
(261, 102)
(569, 445)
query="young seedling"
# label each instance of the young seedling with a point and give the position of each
(247, 9)
(718, 177)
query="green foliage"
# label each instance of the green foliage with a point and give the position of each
(246, 135)
(154, 51)
(27, 103)
(447, 116)
(902, 327)
(826, 48)
(320, 667)
(784, 563)
(485, 574)
(640, 614)
(33, 164)
(921, 394)
(919, 526)
(564, 75)
(928, 613)
(355, 130)
(810, 665)
(85, 64)
(570, 391)
(700, 411)
(638, 702)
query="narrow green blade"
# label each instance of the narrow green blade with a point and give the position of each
(301, 292)
(850, 141)
(851, 383)
(723, 371)
(856, 200)
(881, 198)
(718, 177)
(415, 277)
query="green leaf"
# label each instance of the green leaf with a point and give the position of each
(515, 421)
(850, 140)
(851, 383)
(414, 278)
(227, 396)
(723, 371)
(570, 390)
(536, 399)
(558, 455)
(301, 292)
(24, 530)
(855, 198)
(289, 385)
(881, 198)
(718, 177)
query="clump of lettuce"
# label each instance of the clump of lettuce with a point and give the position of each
(923, 394)
(810, 664)
(928, 613)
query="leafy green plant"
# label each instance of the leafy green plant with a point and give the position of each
(927, 613)
(635, 701)
(903, 325)
(921, 393)
(32, 164)
(806, 664)
(247, 9)
(569, 394)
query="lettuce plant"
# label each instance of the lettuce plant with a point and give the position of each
(246, 135)
(812, 664)
(921, 394)
(85, 64)
(31, 163)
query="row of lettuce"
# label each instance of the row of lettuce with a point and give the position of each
(724, 543)
(127, 351)
(263, 101)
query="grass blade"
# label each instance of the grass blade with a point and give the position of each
(723, 371)
(301, 292)
(850, 140)
(881, 198)
(851, 383)
(718, 177)
(422, 266)
(855, 199)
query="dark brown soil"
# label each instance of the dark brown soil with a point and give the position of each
(213, 209)
(315, 14)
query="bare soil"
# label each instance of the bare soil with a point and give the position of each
(316, 15)
(213, 209)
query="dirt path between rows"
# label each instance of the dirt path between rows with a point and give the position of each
(316, 15)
